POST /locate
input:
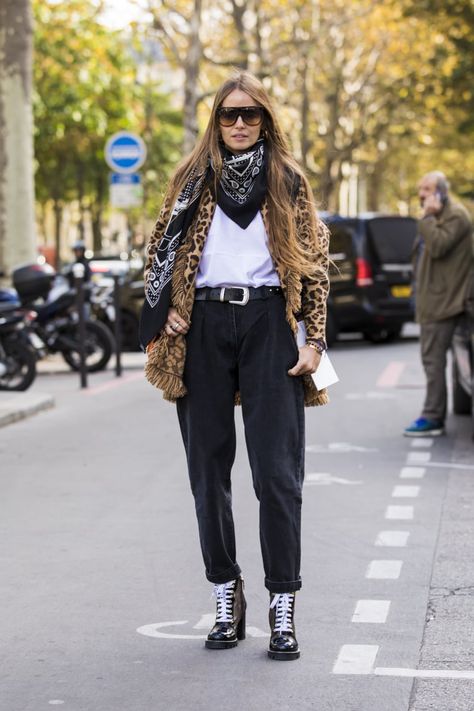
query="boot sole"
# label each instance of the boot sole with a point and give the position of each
(210, 644)
(283, 656)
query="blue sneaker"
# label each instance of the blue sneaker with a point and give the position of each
(424, 428)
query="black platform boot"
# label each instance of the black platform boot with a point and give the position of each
(283, 642)
(230, 615)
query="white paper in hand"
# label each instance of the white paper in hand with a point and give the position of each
(325, 374)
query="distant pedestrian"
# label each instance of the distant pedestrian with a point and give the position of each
(236, 257)
(79, 250)
(442, 262)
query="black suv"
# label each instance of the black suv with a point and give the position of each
(371, 275)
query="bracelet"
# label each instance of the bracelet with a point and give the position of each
(318, 345)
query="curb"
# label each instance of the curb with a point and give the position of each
(19, 406)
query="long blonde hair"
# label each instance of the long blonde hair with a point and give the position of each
(282, 170)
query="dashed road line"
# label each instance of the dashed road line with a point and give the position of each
(418, 457)
(408, 492)
(422, 442)
(356, 659)
(399, 513)
(384, 569)
(395, 539)
(371, 611)
(412, 473)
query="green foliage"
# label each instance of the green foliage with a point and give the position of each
(86, 89)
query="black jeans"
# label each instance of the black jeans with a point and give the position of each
(247, 348)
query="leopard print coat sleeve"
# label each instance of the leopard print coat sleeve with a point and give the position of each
(315, 289)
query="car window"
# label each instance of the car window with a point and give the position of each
(341, 251)
(392, 238)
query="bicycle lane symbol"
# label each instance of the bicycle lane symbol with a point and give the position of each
(156, 629)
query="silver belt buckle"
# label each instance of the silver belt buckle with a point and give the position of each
(245, 295)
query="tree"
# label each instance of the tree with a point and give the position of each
(17, 228)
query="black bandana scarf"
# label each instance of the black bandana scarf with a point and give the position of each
(240, 194)
(242, 186)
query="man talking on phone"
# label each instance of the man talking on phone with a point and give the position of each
(442, 264)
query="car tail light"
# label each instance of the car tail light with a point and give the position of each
(364, 273)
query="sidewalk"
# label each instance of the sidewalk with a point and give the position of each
(17, 406)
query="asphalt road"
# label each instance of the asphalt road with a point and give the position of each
(103, 598)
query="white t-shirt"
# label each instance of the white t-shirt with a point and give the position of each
(236, 257)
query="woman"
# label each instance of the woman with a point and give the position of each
(236, 257)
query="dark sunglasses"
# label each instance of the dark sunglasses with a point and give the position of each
(251, 115)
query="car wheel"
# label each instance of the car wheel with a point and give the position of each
(462, 403)
(383, 335)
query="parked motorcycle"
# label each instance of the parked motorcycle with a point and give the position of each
(17, 354)
(57, 323)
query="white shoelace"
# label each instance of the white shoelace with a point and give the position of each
(284, 611)
(224, 595)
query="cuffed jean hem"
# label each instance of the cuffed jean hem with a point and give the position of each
(290, 586)
(230, 574)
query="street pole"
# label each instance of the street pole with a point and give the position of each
(79, 270)
(117, 327)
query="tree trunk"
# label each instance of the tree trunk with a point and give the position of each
(58, 217)
(191, 78)
(238, 12)
(17, 222)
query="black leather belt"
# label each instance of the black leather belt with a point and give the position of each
(239, 295)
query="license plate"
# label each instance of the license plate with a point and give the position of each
(401, 292)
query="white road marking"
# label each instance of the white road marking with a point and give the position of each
(154, 630)
(371, 611)
(412, 473)
(390, 375)
(206, 622)
(397, 539)
(356, 659)
(371, 395)
(360, 659)
(422, 442)
(450, 465)
(399, 513)
(55, 702)
(418, 457)
(384, 569)
(324, 479)
(409, 492)
(425, 673)
(337, 448)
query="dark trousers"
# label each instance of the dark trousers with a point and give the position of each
(247, 348)
(435, 341)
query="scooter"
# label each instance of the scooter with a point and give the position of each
(57, 323)
(17, 355)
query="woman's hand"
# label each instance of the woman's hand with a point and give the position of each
(308, 361)
(175, 325)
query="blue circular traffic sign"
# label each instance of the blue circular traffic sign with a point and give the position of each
(125, 152)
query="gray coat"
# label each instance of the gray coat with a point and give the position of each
(444, 263)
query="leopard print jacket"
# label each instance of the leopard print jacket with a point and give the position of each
(166, 355)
